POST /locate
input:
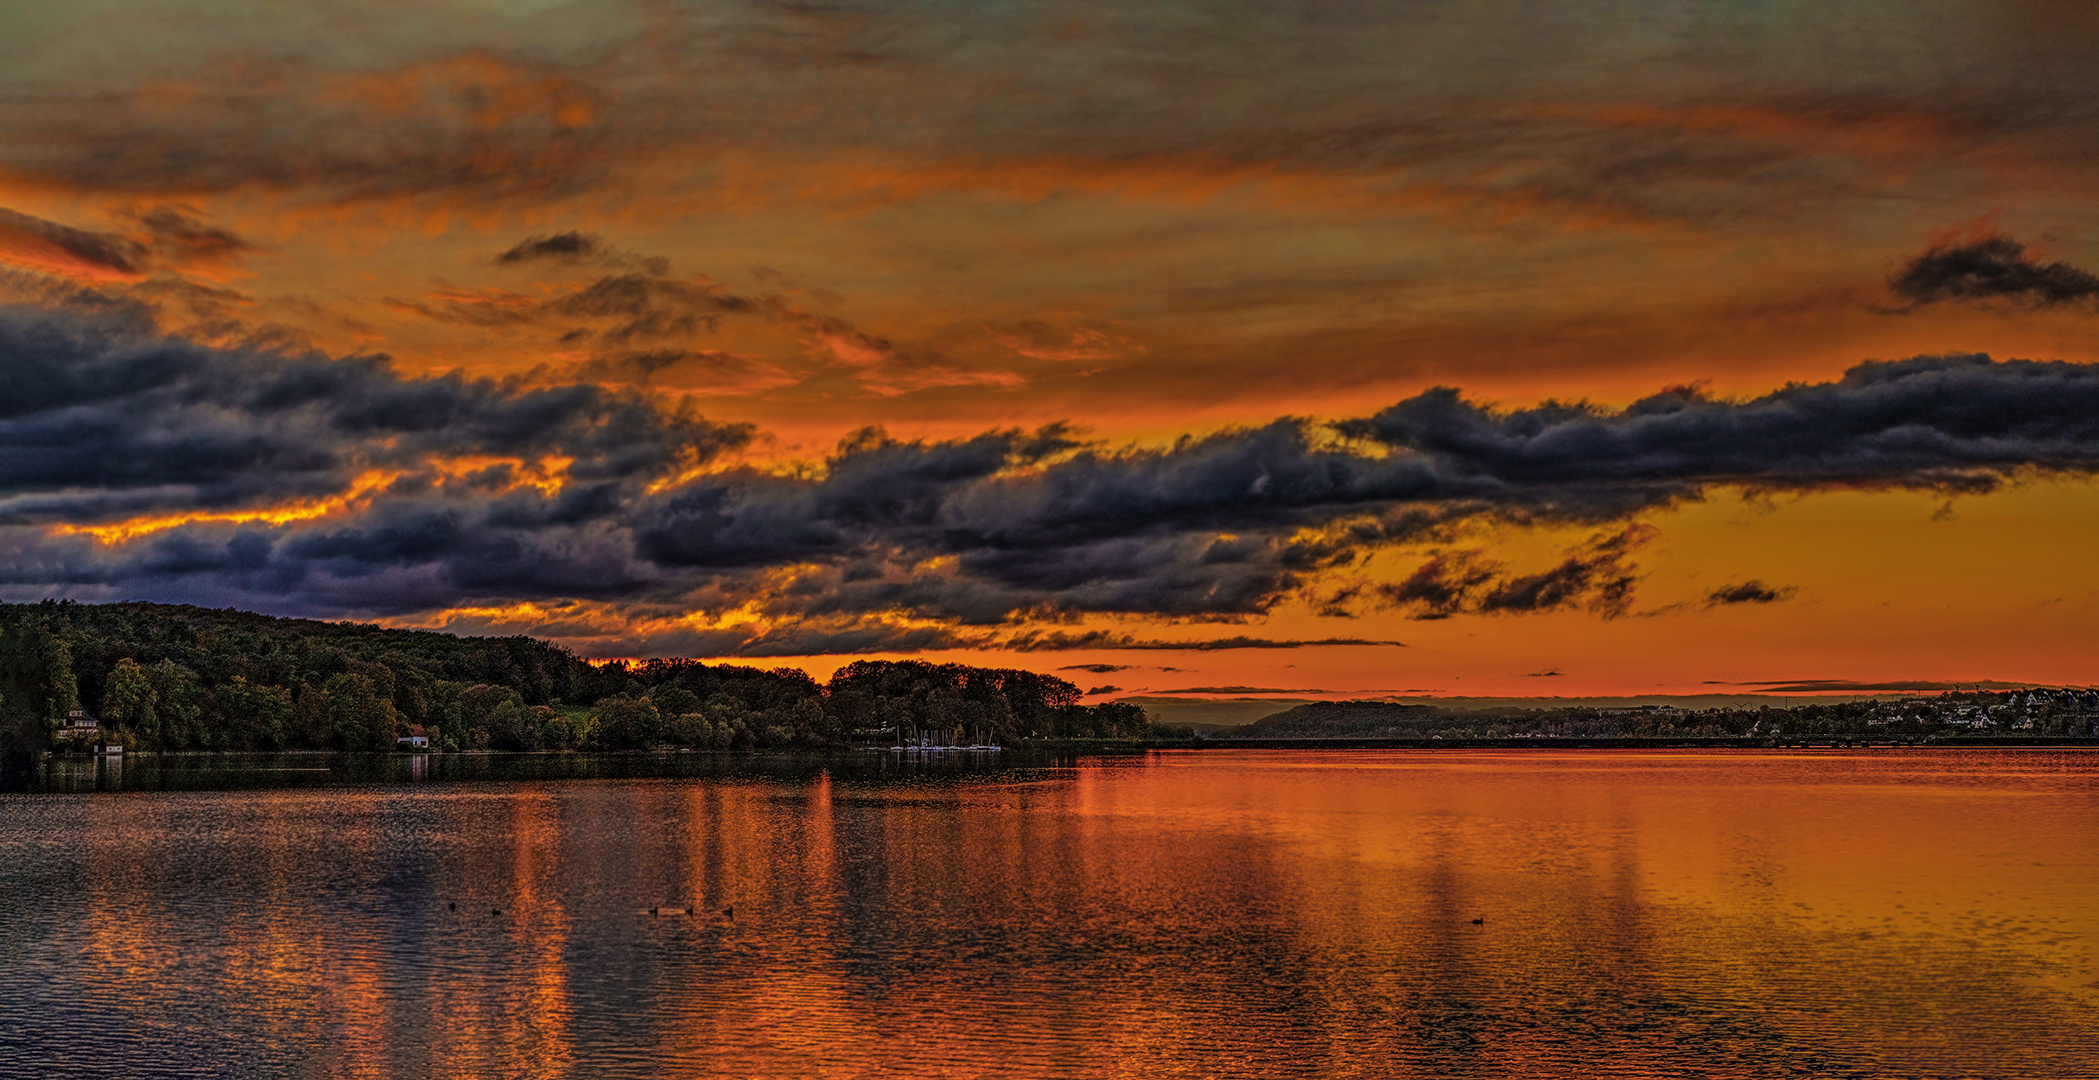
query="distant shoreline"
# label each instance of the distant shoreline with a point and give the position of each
(1636, 742)
(1623, 742)
(195, 771)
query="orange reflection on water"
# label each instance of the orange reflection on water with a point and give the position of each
(1655, 914)
(1792, 884)
(529, 1021)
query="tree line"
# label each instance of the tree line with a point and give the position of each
(2040, 711)
(165, 677)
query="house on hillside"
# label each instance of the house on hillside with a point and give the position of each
(79, 732)
(78, 724)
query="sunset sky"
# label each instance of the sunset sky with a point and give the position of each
(1466, 348)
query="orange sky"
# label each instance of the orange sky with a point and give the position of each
(760, 231)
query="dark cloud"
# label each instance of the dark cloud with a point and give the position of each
(811, 640)
(574, 248)
(994, 540)
(1597, 578)
(639, 321)
(1544, 674)
(1210, 526)
(1961, 423)
(1097, 669)
(49, 245)
(614, 309)
(163, 238)
(1992, 268)
(1057, 641)
(565, 247)
(1820, 686)
(202, 302)
(1104, 690)
(179, 236)
(1748, 592)
(1447, 584)
(1238, 690)
(98, 425)
(613, 630)
(644, 306)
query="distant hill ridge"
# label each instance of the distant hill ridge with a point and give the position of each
(2070, 712)
(1351, 719)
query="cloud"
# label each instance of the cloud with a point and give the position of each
(1597, 578)
(638, 321)
(566, 247)
(168, 237)
(133, 465)
(813, 101)
(1040, 521)
(575, 248)
(178, 235)
(1748, 592)
(1097, 669)
(1445, 585)
(1057, 640)
(618, 309)
(1104, 690)
(1992, 268)
(1957, 423)
(471, 125)
(1239, 690)
(210, 453)
(47, 245)
(1820, 686)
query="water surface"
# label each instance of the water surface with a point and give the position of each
(1885, 913)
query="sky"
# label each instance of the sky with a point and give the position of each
(1233, 350)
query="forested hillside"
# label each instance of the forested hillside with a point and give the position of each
(160, 677)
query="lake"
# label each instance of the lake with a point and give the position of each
(1869, 913)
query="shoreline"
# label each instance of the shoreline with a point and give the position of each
(1623, 742)
(1643, 742)
(203, 770)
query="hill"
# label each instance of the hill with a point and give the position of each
(2067, 712)
(168, 677)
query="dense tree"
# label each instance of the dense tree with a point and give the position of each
(179, 701)
(361, 715)
(257, 717)
(128, 700)
(185, 678)
(626, 722)
(64, 688)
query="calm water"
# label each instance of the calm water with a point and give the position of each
(1882, 913)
